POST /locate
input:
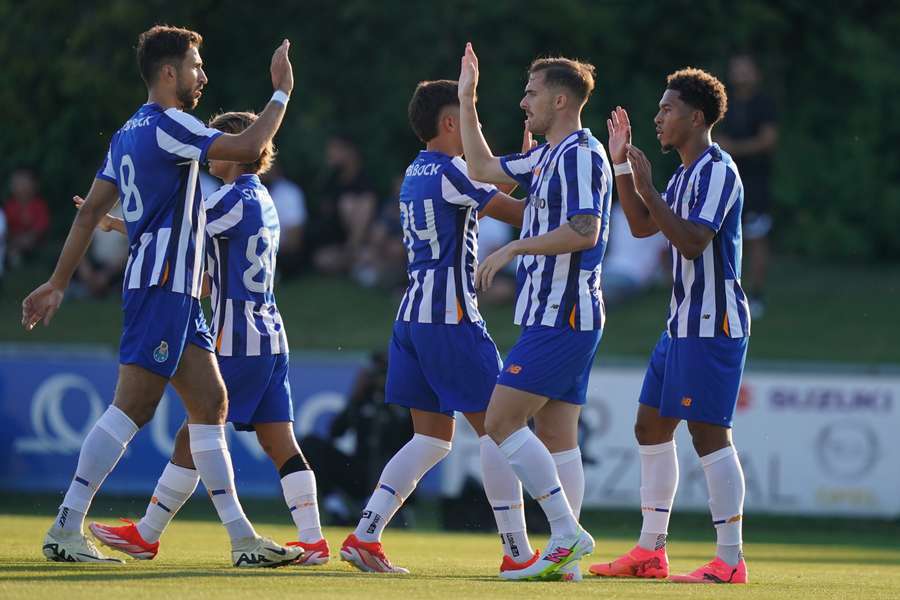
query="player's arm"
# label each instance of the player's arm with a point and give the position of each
(580, 233)
(43, 302)
(639, 220)
(483, 165)
(688, 237)
(248, 145)
(503, 207)
(206, 286)
(107, 222)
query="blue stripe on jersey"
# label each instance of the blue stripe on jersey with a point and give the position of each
(244, 233)
(569, 179)
(707, 299)
(153, 159)
(438, 205)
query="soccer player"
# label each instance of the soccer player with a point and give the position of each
(441, 358)
(251, 349)
(151, 168)
(559, 304)
(695, 369)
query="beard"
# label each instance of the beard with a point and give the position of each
(186, 97)
(667, 148)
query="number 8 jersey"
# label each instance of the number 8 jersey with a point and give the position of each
(154, 160)
(438, 210)
(243, 234)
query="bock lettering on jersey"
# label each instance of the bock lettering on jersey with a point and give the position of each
(438, 211)
(571, 179)
(707, 299)
(244, 232)
(154, 160)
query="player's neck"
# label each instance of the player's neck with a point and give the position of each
(693, 148)
(166, 101)
(562, 128)
(443, 146)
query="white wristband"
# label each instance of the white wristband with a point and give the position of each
(622, 169)
(280, 97)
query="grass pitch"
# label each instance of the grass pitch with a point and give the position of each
(194, 563)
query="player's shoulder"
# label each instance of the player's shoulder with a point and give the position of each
(222, 195)
(178, 118)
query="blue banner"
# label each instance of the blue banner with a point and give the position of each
(49, 401)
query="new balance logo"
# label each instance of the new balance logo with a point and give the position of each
(559, 554)
(514, 369)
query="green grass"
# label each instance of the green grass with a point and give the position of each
(788, 559)
(819, 313)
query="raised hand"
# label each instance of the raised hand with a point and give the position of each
(282, 72)
(619, 127)
(41, 304)
(528, 142)
(468, 74)
(641, 168)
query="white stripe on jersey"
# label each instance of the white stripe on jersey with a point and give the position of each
(227, 334)
(162, 244)
(708, 308)
(585, 308)
(178, 148)
(557, 288)
(108, 167)
(226, 221)
(451, 310)
(585, 178)
(411, 295)
(190, 123)
(213, 199)
(716, 187)
(134, 279)
(269, 321)
(187, 220)
(734, 319)
(253, 338)
(469, 245)
(427, 290)
(199, 251)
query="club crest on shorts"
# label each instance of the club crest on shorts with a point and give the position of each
(161, 352)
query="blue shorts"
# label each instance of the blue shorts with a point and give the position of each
(441, 368)
(552, 361)
(695, 379)
(157, 325)
(258, 390)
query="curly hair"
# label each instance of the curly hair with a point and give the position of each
(426, 105)
(701, 90)
(574, 75)
(236, 122)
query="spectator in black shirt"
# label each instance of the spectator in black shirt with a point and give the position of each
(749, 133)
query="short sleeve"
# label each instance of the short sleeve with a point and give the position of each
(521, 166)
(182, 136)
(583, 182)
(457, 188)
(715, 192)
(224, 209)
(107, 172)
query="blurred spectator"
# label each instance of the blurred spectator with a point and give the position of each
(749, 133)
(631, 265)
(290, 204)
(381, 260)
(376, 431)
(492, 235)
(27, 216)
(346, 211)
(100, 272)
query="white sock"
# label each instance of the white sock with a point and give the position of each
(534, 466)
(504, 493)
(659, 480)
(725, 480)
(398, 480)
(101, 450)
(570, 470)
(213, 461)
(299, 490)
(175, 486)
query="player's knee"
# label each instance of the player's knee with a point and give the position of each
(648, 434)
(708, 438)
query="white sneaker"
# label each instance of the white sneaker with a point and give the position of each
(262, 552)
(571, 571)
(60, 546)
(560, 551)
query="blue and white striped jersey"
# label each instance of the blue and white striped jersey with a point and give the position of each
(438, 211)
(571, 179)
(243, 231)
(707, 299)
(154, 160)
